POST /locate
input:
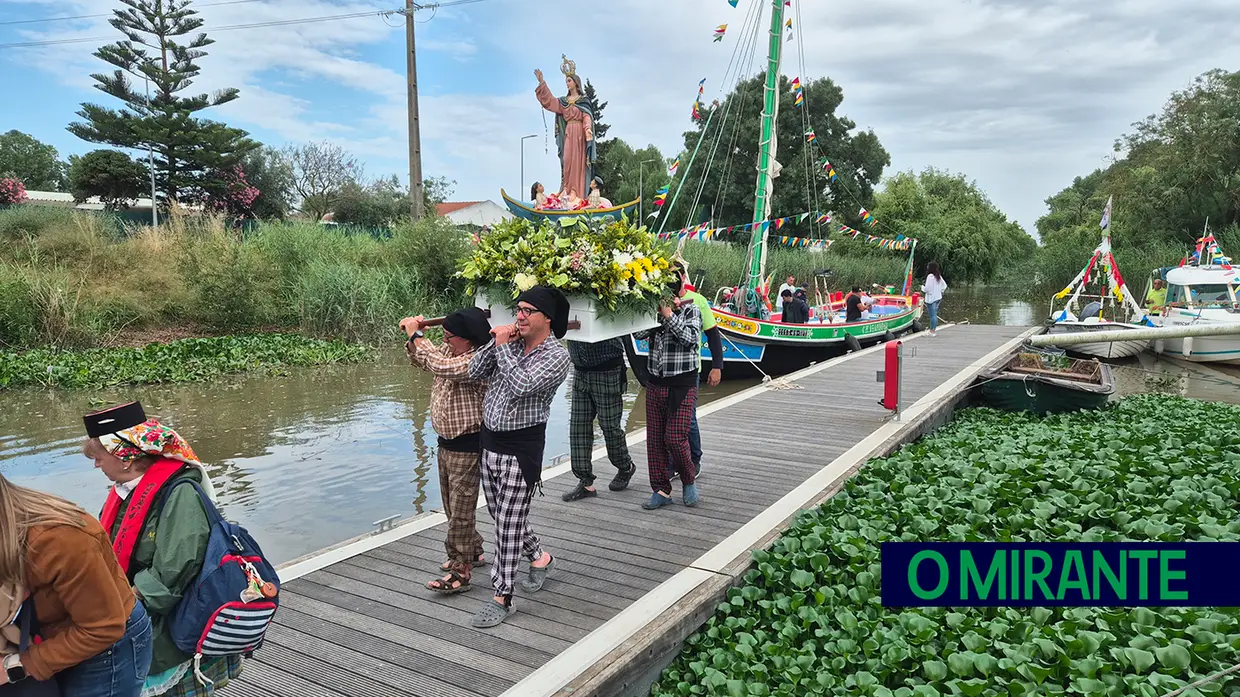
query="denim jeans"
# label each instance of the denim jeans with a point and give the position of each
(695, 437)
(933, 309)
(120, 670)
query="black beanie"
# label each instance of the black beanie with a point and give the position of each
(552, 303)
(469, 323)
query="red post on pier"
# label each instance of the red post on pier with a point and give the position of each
(891, 375)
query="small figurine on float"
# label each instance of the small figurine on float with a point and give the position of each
(596, 199)
(538, 195)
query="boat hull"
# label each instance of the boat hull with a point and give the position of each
(753, 348)
(1011, 391)
(1198, 349)
(525, 212)
(1101, 349)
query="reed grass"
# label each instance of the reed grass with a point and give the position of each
(723, 264)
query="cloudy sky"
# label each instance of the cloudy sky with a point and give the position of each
(1019, 95)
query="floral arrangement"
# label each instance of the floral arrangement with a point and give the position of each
(12, 192)
(623, 268)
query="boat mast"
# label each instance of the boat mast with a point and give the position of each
(766, 150)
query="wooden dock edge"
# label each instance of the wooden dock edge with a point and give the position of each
(628, 669)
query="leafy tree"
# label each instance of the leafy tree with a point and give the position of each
(271, 173)
(436, 190)
(36, 164)
(191, 154)
(623, 169)
(600, 128)
(111, 175)
(728, 159)
(320, 172)
(955, 224)
(379, 204)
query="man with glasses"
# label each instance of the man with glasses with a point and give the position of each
(524, 366)
(599, 382)
(456, 416)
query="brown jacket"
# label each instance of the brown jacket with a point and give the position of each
(81, 596)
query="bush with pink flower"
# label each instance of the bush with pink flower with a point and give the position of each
(239, 196)
(12, 191)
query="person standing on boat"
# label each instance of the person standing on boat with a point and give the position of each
(855, 306)
(675, 361)
(795, 309)
(933, 288)
(524, 366)
(789, 285)
(599, 382)
(456, 416)
(1157, 297)
(715, 341)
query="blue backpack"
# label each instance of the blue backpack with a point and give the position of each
(212, 618)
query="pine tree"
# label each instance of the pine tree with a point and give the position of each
(193, 156)
(600, 128)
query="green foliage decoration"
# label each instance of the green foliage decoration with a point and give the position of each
(809, 620)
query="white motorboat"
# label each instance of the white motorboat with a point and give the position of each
(1112, 309)
(1201, 296)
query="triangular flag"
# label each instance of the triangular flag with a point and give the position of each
(733, 2)
(810, 136)
(802, 218)
(671, 171)
(720, 31)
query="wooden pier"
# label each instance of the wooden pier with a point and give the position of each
(356, 620)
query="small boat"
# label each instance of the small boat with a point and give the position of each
(1116, 302)
(1204, 290)
(1047, 384)
(527, 212)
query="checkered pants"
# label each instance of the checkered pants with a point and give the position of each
(602, 395)
(508, 500)
(458, 485)
(667, 437)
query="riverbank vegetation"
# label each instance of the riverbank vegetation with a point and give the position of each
(180, 361)
(809, 620)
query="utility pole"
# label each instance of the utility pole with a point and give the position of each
(415, 138)
(523, 139)
(150, 161)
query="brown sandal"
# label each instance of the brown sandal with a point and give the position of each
(447, 566)
(454, 583)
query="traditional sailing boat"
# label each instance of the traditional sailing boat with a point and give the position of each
(1092, 318)
(758, 343)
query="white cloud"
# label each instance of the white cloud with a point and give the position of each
(1019, 96)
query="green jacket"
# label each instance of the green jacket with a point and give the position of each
(167, 560)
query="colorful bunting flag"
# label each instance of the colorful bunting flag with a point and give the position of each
(1106, 215)
(826, 167)
(867, 217)
(810, 136)
(720, 31)
(822, 219)
(733, 2)
(788, 24)
(671, 171)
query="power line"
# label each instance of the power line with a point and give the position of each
(253, 25)
(109, 14)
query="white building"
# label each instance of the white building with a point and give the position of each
(477, 213)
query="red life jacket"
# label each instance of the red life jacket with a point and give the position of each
(141, 500)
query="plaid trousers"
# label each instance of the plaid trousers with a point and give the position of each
(458, 484)
(667, 437)
(508, 500)
(602, 395)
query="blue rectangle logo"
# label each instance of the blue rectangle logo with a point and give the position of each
(1060, 574)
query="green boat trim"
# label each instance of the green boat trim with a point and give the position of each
(814, 333)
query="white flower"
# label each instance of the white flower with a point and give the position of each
(524, 282)
(622, 258)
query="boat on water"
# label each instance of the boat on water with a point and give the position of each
(1043, 383)
(527, 212)
(1206, 293)
(1112, 308)
(756, 341)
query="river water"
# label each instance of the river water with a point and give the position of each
(309, 460)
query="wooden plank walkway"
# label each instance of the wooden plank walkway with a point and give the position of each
(364, 625)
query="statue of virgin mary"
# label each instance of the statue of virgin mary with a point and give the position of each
(574, 130)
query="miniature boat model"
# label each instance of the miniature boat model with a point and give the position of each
(1045, 384)
(527, 212)
(1117, 302)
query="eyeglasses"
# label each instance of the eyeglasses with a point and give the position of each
(525, 311)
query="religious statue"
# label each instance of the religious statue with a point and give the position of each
(574, 131)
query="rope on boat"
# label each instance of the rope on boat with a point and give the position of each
(780, 384)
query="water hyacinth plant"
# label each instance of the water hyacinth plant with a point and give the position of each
(809, 618)
(623, 268)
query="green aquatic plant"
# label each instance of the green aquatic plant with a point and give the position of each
(809, 619)
(185, 360)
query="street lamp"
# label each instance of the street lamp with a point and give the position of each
(523, 139)
(641, 202)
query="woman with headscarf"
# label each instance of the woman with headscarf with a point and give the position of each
(59, 578)
(159, 532)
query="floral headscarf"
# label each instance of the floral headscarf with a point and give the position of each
(149, 438)
(154, 438)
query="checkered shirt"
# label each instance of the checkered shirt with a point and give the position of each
(521, 387)
(587, 356)
(456, 399)
(676, 345)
